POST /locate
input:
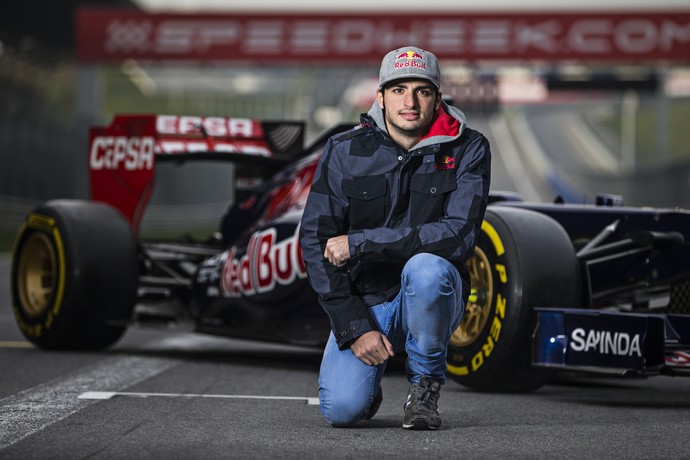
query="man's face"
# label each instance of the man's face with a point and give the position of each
(409, 105)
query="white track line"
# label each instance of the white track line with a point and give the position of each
(36, 408)
(111, 394)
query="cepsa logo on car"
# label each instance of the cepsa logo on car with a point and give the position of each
(265, 263)
(115, 152)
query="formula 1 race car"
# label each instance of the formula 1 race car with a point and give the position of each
(554, 286)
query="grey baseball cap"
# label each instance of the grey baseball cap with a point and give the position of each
(409, 62)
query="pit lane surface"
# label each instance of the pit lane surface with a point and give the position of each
(183, 395)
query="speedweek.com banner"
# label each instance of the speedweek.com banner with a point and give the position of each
(107, 35)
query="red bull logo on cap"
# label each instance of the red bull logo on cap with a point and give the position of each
(409, 59)
(409, 55)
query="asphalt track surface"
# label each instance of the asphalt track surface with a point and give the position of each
(180, 395)
(173, 394)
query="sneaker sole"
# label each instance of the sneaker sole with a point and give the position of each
(420, 424)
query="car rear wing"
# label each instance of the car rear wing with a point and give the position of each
(123, 155)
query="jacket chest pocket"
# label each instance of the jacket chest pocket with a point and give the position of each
(369, 202)
(429, 194)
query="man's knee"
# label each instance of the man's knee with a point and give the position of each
(342, 412)
(428, 272)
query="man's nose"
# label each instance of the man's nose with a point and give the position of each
(410, 99)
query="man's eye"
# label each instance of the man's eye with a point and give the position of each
(424, 92)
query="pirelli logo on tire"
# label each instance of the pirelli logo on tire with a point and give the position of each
(40, 222)
(523, 260)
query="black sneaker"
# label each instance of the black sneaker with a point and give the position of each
(421, 407)
(375, 404)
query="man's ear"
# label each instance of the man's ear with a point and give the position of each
(439, 97)
(379, 98)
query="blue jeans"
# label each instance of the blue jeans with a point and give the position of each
(420, 320)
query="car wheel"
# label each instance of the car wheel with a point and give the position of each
(74, 275)
(523, 259)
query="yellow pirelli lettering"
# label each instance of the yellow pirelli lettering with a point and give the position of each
(500, 306)
(458, 370)
(488, 347)
(477, 361)
(40, 222)
(502, 275)
(495, 330)
(493, 236)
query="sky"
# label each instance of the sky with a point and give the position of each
(356, 6)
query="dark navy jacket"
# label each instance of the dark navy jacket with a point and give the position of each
(392, 204)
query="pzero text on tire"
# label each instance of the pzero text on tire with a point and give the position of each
(523, 259)
(74, 275)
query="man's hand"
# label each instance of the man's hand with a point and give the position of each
(337, 250)
(372, 348)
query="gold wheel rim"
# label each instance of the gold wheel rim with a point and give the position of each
(479, 304)
(37, 274)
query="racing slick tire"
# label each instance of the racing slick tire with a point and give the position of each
(74, 275)
(523, 259)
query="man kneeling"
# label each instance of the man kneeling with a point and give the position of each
(392, 216)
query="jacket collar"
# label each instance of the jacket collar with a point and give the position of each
(447, 125)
